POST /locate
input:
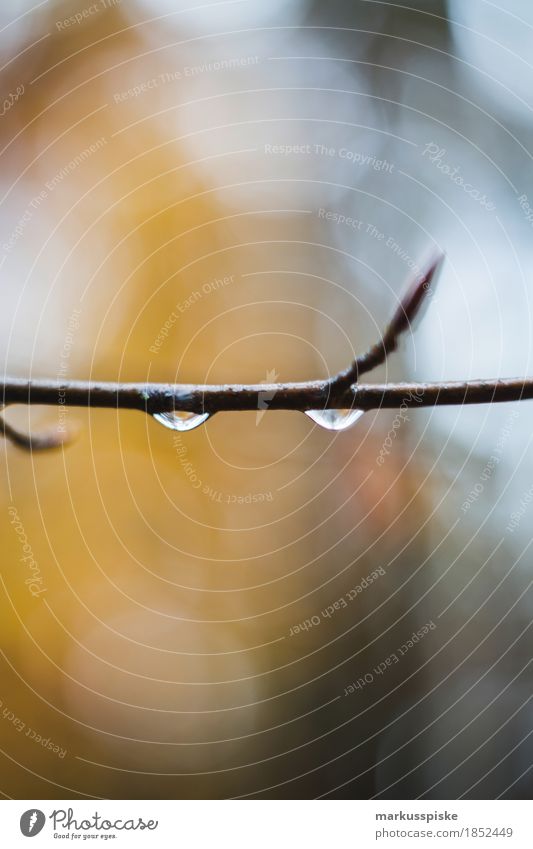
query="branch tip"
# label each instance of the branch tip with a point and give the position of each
(45, 441)
(407, 310)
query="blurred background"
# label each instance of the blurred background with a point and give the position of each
(241, 190)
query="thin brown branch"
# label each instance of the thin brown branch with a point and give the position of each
(340, 392)
(165, 397)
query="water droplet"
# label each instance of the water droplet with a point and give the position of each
(181, 420)
(335, 419)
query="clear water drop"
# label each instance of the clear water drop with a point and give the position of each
(335, 419)
(181, 419)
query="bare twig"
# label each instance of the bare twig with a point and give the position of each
(33, 441)
(405, 314)
(315, 395)
(340, 392)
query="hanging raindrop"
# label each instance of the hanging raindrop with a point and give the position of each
(181, 419)
(335, 419)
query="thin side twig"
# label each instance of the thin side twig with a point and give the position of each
(404, 316)
(32, 441)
